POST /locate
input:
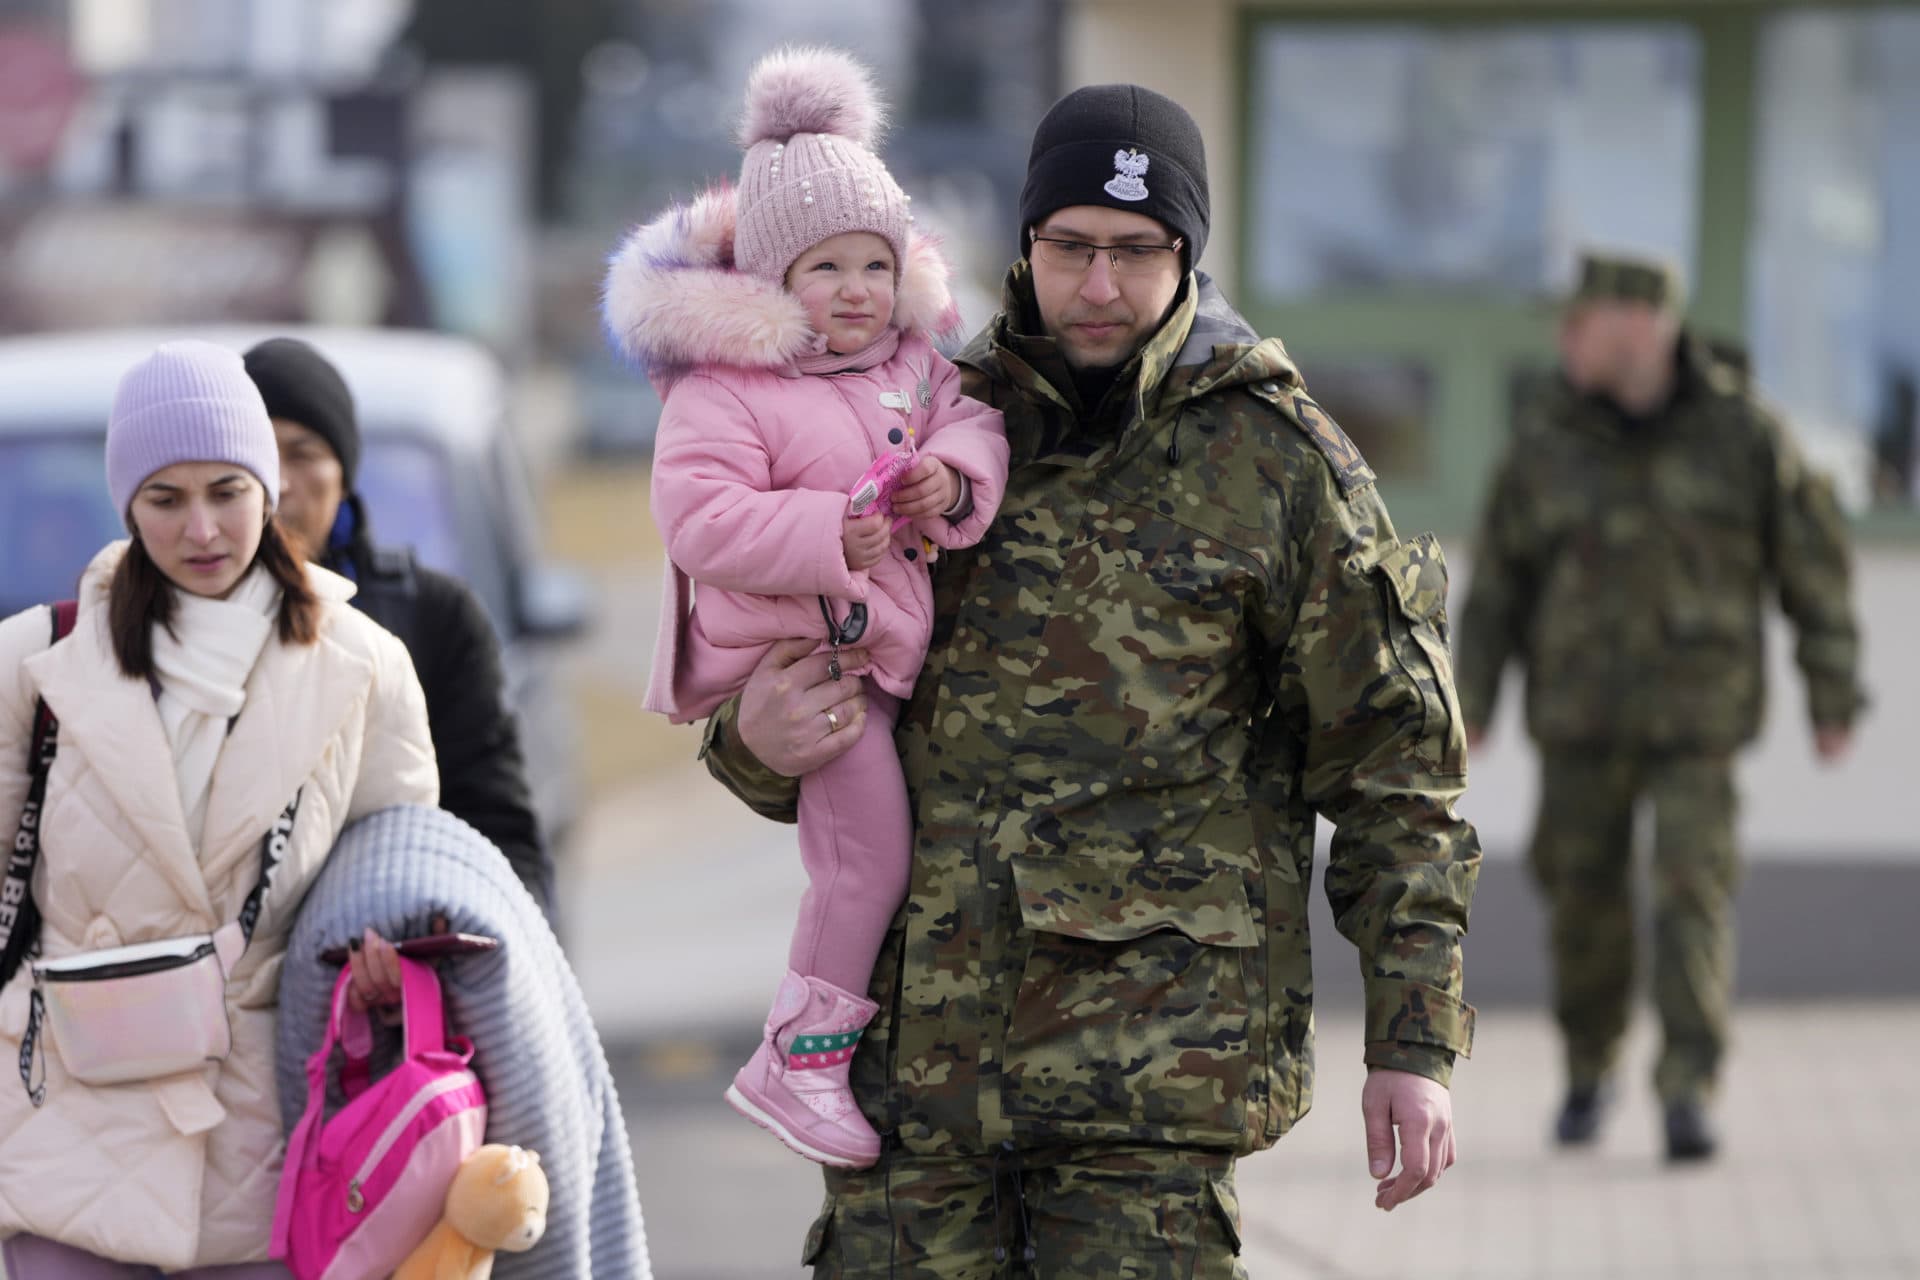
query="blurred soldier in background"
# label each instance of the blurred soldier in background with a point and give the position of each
(1647, 504)
(483, 778)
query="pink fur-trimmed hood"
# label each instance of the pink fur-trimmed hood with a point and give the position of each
(674, 299)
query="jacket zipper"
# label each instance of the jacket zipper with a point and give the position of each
(397, 1126)
(127, 968)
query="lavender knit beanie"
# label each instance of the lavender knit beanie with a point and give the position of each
(188, 402)
(809, 172)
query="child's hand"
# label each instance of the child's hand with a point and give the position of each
(929, 487)
(865, 539)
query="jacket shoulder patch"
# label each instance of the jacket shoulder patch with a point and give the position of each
(1349, 468)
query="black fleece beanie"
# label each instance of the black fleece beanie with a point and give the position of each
(1124, 147)
(299, 383)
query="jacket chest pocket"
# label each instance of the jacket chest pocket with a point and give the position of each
(1708, 479)
(1711, 524)
(1132, 1008)
(1159, 604)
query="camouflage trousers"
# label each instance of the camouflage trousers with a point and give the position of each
(1583, 860)
(1069, 1213)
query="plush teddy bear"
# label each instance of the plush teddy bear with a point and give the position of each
(498, 1200)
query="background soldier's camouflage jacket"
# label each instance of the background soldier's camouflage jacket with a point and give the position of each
(1191, 626)
(1626, 564)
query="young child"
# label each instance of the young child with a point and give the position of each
(786, 325)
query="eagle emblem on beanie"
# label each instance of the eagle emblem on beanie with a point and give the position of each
(1129, 176)
(1093, 147)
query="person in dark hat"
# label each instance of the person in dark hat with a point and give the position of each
(1190, 628)
(483, 778)
(1648, 504)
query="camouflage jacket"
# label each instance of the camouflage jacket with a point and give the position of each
(1190, 628)
(1626, 564)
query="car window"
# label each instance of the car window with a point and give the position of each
(55, 512)
(54, 515)
(407, 491)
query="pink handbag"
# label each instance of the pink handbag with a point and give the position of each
(360, 1190)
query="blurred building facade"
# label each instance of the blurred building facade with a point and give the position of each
(1400, 187)
(173, 161)
(461, 165)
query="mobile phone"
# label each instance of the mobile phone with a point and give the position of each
(431, 946)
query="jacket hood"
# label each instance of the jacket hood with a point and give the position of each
(1218, 349)
(674, 299)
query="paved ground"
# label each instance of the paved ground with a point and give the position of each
(1818, 1178)
(1817, 1182)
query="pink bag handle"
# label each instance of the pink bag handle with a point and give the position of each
(424, 1026)
(424, 1018)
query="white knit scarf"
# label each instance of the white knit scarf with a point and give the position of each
(202, 667)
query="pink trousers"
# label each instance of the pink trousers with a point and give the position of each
(37, 1258)
(856, 840)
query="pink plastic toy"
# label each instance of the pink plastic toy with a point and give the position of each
(873, 492)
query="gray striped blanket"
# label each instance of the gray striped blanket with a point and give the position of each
(536, 1051)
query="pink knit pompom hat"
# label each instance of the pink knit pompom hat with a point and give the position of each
(809, 173)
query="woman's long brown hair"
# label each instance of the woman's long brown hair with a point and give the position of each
(141, 598)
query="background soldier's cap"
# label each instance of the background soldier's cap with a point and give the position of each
(1612, 277)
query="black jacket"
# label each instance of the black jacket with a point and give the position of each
(483, 776)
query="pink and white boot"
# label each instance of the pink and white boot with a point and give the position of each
(795, 1084)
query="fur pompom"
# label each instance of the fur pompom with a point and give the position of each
(810, 89)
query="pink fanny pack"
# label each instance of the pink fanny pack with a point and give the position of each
(361, 1189)
(147, 1010)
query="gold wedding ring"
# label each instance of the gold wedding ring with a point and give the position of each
(833, 721)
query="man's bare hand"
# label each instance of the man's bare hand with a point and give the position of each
(795, 717)
(1476, 735)
(1420, 1112)
(1832, 742)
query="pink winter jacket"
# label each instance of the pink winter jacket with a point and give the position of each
(752, 461)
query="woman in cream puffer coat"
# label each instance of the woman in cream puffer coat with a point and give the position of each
(166, 779)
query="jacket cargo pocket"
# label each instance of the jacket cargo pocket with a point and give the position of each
(1144, 614)
(1709, 683)
(1415, 574)
(1132, 1007)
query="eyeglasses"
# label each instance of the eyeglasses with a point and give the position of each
(1127, 259)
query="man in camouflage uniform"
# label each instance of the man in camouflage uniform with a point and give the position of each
(1191, 628)
(1647, 503)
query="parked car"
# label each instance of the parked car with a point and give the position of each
(441, 470)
